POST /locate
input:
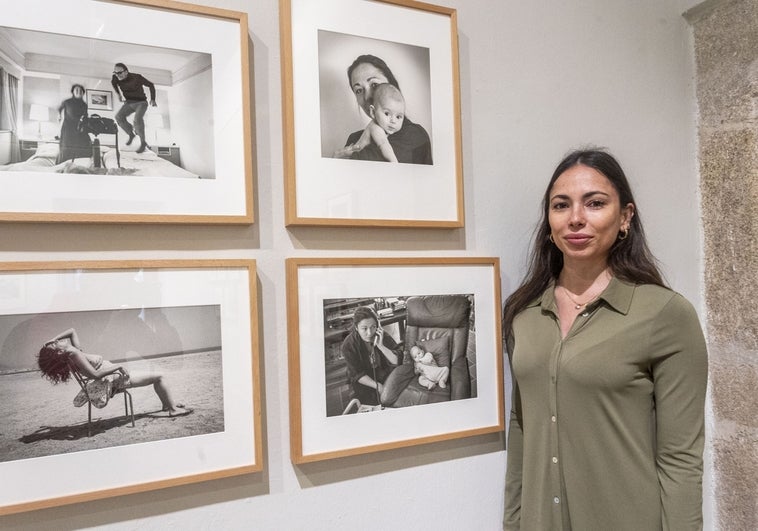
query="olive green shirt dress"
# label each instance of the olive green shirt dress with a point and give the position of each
(606, 429)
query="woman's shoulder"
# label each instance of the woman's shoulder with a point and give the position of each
(350, 340)
(661, 301)
(353, 137)
(654, 292)
(413, 129)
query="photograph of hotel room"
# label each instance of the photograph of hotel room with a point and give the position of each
(47, 107)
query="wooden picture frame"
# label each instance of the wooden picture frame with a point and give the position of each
(330, 184)
(193, 323)
(189, 159)
(329, 357)
(100, 99)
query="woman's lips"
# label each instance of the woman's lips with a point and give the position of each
(577, 239)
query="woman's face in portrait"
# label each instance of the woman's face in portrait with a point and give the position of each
(366, 329)
(585, 214)
(78, 92)
(364, 78)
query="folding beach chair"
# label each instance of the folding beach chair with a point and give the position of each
(97, 392)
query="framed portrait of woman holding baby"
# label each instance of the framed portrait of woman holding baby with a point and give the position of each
(371, 114)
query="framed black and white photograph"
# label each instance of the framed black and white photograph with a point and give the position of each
(99, 360)
(100, 100)
(386, 353)
(372, 113)
(153, 95)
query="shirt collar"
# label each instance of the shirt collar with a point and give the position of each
(618, 295)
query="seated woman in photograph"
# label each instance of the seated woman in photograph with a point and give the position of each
(57, 355)
(410, 144)
(371, 355)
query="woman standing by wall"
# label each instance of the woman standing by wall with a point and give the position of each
(609, 368)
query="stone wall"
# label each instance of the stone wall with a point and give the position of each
(726, 54)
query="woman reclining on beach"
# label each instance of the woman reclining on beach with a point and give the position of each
(56, 355)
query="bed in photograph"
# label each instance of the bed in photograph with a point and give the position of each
(146, 163)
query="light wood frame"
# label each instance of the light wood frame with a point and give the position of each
(44, 289)
(314, 436)
(224, 198)
(323, 191)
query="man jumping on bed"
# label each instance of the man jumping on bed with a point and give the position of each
(130, 88)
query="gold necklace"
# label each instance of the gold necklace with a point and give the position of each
(577, 305)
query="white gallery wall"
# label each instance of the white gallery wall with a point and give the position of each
(537, 79)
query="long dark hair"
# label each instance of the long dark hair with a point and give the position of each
(53, 362)
(630, 259)
(378, 63)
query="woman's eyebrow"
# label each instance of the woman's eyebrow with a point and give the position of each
(596, 192)
(584, 196)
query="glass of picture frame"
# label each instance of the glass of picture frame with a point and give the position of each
(186, 328)
(187, 100)
(447, 307)
(333, 53)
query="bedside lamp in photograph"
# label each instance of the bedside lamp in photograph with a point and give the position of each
(39, 113)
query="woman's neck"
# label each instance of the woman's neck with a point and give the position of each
(584, 278)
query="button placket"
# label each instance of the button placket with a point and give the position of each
(555, 473)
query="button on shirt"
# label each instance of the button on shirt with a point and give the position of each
(606, 429)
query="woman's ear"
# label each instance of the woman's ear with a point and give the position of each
(627, 213)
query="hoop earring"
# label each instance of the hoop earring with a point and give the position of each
(626, 234)
(550, 237)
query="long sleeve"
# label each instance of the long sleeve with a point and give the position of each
(515, 455)
(680, 376)
(513, 474)
(150, 86)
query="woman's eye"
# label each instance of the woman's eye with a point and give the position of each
(596, 203)
(559, 206)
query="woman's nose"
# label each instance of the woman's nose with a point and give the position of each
(577, 217)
